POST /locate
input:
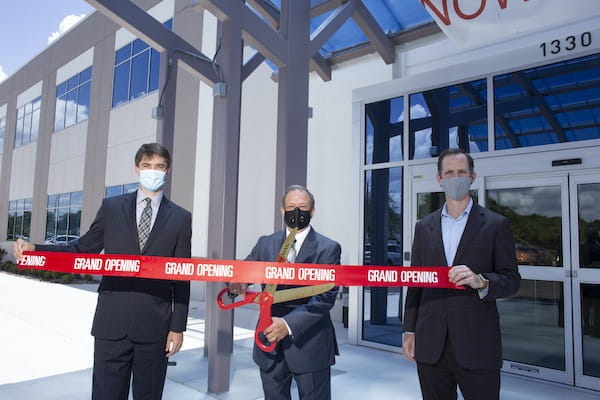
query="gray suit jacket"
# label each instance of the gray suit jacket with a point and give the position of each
(487, 247)
(143, 309)
(313, 345)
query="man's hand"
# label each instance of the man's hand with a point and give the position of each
(408, 346)
(238, 288)
(20, 247)
(174, 342)
(463, 275)
(277, 330)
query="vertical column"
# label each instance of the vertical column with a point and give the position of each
(223, 198)
(42, 158)
(96, 145)
(9, 145)
(292, 107)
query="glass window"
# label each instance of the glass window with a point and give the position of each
(384, 131)
(589, 227)
(136, 70)
(451, 116)
(536, 221)
(383, 245)
(63, 216)
(553, 103)
(19, 219)
(120, 189)
(28, 121)
(73, 99)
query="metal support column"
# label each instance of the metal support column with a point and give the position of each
(223, 199)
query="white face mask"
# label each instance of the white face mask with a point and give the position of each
(456, 188)
(152, 179)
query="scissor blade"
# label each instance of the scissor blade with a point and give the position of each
(300, 292)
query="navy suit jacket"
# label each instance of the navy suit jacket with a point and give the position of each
(487, 247)
(313, 345)
(143, 309)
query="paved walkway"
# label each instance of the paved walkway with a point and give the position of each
(47, 355)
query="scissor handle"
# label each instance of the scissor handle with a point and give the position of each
(265, 301)
(248, 298)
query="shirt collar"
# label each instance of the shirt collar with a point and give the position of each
(464, 213)
(300, 236)
(155, 201)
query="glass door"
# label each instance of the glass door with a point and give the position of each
(585, 275)
(536, 322)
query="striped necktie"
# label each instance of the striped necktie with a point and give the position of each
(291, 257)
(144, 225)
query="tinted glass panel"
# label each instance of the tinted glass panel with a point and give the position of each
(71, 111)
(590, 317)
(73, 82)
(452, 116)
(123, 54)
(589, 226)
(61, 89)
(121, 84)
(85, 75)
(2, 133)
(113, 191)
(83, 103)
(139, 75)
(536, 220)
(35, 124)
(382, 307)
(59, 116)
(384, 130)
(154, 70)
(139, 45)
(554, 103)
(532, 325)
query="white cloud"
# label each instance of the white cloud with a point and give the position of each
(64, 26)
(2, 74)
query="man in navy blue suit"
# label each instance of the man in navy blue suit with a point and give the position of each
(454, 335)
(138, 322)
(302, 328)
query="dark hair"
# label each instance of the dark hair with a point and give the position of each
(150, 150)
(299, 188)
(454, 151)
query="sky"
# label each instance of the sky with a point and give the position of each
(29, 25)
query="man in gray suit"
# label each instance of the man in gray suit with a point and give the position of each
(138, 322)
(302, 328)
(454, 335)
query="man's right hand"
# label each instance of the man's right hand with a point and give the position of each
(238, 288)
(408, 346)
(20, 247)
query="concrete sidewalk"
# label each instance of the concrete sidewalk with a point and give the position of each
(48, 355)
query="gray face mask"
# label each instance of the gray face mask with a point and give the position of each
(456, 188)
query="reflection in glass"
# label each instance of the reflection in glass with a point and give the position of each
(553, 103)
(532, 325)
(451, 116)
(431, 201)
(536, 220)
(121, 84)
(590, 321)
(2, 133)
(384, 130)
(589, 225)
(63, 215)
(139, 75)
(382, 307)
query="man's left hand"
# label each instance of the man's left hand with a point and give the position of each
(464, 276)
(174, 342)
(276, 331)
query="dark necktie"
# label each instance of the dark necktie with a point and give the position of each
(144, 225)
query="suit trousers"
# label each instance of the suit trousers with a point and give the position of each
(114, 362)
(277, 383)
(438, 381)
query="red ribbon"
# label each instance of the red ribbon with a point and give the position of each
(200, 269)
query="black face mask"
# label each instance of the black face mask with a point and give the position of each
(297, 218)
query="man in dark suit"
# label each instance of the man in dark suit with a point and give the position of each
(139, 322)
(454, 335)
(306, 344)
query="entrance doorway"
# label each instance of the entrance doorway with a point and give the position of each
(551, 326)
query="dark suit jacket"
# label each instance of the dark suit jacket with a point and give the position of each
(313, 345)
(144, 309)
(487, 247)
